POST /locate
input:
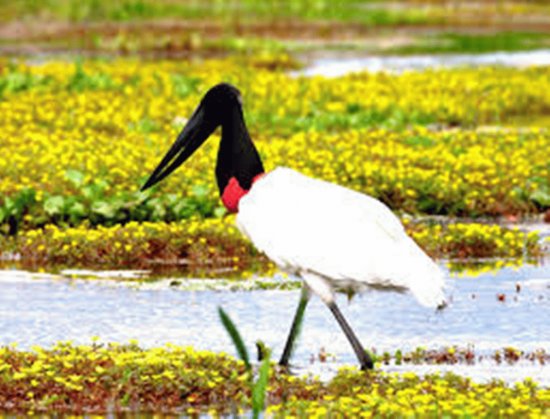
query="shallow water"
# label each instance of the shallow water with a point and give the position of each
(338, 64)
(42, 309)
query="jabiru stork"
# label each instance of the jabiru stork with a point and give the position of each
(334, 238)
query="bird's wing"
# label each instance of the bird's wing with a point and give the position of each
(304, 224)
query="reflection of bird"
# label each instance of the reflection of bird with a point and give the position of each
(330, 236)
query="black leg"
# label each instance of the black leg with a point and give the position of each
(362, 355)
(295, 328)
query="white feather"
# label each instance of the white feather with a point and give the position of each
(335, 238)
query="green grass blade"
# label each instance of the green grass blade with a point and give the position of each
(235, 336)
(259, 389)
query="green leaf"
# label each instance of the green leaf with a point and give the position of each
(419, 141)
(77, 209)
(104, 209)
(125, 400)
(75, 177)
(145, 126)
(259, 389)
(541, 197)
(156, 208)
(25, 198)
(95, 190)
(219, 212)
(183, 85)
(200, 191)
(235, 337)
(353, 108)
(172, 199)
(141, 196)
(185, 208)
(89, 192)
(9, 206)
(54, 205)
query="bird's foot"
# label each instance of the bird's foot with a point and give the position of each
(367, 367)
(289, 369)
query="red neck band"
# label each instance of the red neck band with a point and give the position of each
(233, 193)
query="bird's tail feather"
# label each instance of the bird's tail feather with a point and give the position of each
(429, 289)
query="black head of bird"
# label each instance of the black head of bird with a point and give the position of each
(238, 162)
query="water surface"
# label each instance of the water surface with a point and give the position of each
(335, 64)
(42, 309)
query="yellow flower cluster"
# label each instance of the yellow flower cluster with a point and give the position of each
(464, 172)
(84, 136)
(100, 378)
(115, 93)
(77, 378)
(408, 395)
(215, 247)
(211, 247)
(466, 240)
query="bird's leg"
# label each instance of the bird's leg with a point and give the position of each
(363, 357)
(295, 328)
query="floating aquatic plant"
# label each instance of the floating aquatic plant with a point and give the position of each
(214, 247)
(108, 378)
(56, 116)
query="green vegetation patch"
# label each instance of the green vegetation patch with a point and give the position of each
(215, 248)
(471, 43)
(56, 116)
(189, 27)
(115, 378)
(366, 12)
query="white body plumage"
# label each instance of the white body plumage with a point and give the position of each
(335, 238)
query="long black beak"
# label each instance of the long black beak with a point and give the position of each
(197, 130)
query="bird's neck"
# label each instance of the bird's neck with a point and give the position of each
(239, 163)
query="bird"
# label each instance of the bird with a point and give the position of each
(334, 238)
